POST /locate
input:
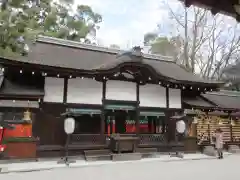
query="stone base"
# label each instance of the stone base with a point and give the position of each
(3, 170)
(209, 150)
(177, 154)
(233, 149)
(147, 152)
(99, 158)
(127, 157)
(98, 155)
(66, 161)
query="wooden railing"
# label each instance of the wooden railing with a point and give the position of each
(154, 139)
(87, 139)
(144, 139)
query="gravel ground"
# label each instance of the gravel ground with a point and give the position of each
(227, 168)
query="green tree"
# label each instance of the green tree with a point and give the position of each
(163, 45)
(22, 20)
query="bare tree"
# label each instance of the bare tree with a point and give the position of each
(211, 43)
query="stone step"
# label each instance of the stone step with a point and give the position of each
(147, 152)
(98, 158)
(209, 150)
(233, 149)
(96, 155)
(126, 157)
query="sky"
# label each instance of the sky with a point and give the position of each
(126, 21)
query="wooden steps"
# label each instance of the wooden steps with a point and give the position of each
(127, 156)
(50, 151)
(94, 155)
(147, 152)
(106, 154)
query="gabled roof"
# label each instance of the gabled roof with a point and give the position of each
(70, 54)
(197, 102)
(233, 70)
(224, 99)
(61, 53)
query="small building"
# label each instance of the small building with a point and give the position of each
(107, 91)
(215, 110)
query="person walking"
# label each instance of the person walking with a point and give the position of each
(219, 142)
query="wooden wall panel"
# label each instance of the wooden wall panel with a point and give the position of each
(49, 125)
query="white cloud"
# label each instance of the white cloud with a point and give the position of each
(126, 21)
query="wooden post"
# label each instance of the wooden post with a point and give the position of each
(154, 126)
(209, 134)
(137, 110)
(167, 118)
(103, 108)
(231, 132)
(65, 90)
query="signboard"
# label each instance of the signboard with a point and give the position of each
(180, 126)
(69, 125)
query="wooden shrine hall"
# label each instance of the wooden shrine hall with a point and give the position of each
(107, 91)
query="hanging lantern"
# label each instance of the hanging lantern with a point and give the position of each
(180, 126)
(27, 116)
(69, 125)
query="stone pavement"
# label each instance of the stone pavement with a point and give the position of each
(48, 165)
(215, 169)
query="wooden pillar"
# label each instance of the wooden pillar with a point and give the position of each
(209, 130)
(167, 117)
(154, 126)
(65, 90)
(103, 108)
(163, 124)
(137, 109)
(230, 127)
(149, 124)
(111, 124)
(231, 133)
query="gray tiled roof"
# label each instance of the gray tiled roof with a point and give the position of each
(198, 102)
(68, 54)
(233, 69)
(175, 71)
(224, 99)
